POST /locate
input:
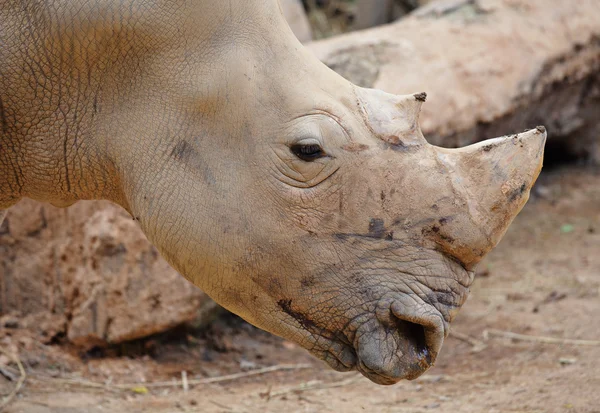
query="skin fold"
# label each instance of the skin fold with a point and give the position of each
(312, 208)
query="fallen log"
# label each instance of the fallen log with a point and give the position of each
(489, 67)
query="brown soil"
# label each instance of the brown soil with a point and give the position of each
(543, 280)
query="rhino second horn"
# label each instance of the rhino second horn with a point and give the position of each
(393, 118)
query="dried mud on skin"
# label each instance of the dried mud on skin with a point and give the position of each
(542, 281)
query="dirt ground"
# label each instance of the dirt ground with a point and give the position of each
(543, 280)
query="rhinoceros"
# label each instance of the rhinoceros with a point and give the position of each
(312, 208)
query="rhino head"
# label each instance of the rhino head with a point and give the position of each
(316, 210)
(373, 250)
(312, 208)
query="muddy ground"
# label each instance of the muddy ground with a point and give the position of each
(542, 281)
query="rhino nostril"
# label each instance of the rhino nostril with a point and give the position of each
(416, 347)
(398, 344)
(426, 331)
(417, 333)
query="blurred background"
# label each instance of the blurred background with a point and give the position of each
(97, 321)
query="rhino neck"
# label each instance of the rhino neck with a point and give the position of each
(51, 154)
(62, 76)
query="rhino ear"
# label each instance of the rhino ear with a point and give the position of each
(393, 118)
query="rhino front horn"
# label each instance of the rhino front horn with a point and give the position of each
(492, 179)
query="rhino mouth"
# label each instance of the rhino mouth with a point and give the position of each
(409, 356)
(393, 344)
(387, 349)
(388, 328)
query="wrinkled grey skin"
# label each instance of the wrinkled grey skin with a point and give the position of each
(189, 114)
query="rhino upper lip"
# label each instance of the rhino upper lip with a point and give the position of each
(424, 361)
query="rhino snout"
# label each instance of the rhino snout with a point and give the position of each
(401, 343)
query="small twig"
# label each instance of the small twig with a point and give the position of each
(477, 345)
(9, 375)
(222, 406)
(538, 339)
(235, 376)
(184, 381)
(179, 383)
(19, 384)
(313, 385)
(74, 382)
(433, 378)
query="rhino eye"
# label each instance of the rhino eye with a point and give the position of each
(308, 152)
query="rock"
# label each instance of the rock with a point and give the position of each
(489, 67)
(88, 273)
(296, 18)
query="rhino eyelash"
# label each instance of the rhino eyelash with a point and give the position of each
(308, 153)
